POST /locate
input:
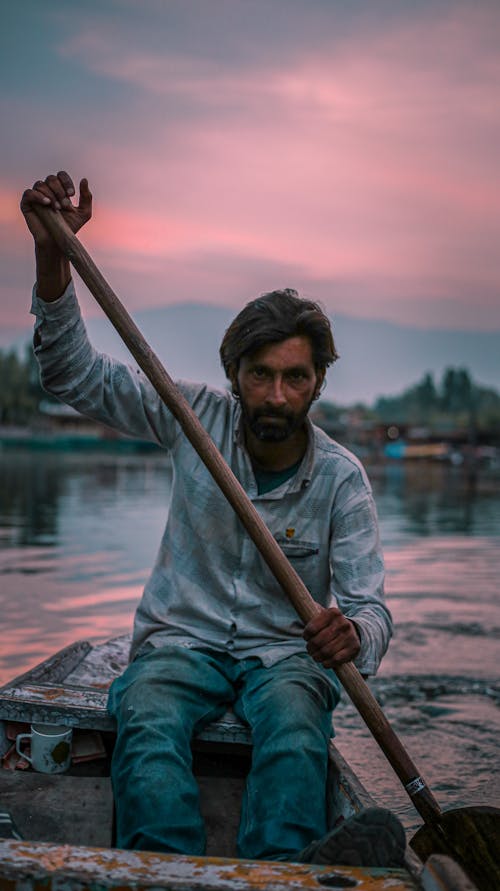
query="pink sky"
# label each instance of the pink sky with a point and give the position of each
(353, 156)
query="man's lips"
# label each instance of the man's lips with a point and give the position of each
(271, 418)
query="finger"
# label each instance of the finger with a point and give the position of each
(324, 639)
(44, 188)
(331, 624)
(85, 198)
(31, 197)
(66, 182)
(56, 187)
(320, 621)
(346, 654)
(329, 642)
(336, 651)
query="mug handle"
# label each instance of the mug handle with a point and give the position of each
(18, 746)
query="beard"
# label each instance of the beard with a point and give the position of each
(273, 425)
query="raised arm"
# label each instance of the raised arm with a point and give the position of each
(52, 267)
(95, 384)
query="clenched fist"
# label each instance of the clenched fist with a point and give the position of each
(331, 638)
(56, 192)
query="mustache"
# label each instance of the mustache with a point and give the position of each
(272, 413)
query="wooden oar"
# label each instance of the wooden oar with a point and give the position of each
(443, 833)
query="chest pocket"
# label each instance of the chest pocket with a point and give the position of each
(298, 549)
(303, 556)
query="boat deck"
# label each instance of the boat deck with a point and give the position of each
(68, 819)
(71, 689)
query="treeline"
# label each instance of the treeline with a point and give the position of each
(20, 390)
(455, 399)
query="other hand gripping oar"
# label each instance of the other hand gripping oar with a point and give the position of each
(469, 834)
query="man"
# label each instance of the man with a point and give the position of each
(213, 628)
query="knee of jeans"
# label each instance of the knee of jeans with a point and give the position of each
(299, 722)
(142, 702)
(290, 708)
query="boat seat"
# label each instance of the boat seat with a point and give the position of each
(72, 687)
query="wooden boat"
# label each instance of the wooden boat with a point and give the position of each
(67, 819)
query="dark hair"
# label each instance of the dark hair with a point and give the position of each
(274, 317)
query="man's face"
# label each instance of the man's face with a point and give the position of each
(276, 386)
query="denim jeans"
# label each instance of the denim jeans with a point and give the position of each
(169, 694)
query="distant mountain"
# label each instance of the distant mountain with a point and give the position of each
(376, 358)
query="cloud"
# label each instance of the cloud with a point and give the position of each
(361, 156)
(360, 143)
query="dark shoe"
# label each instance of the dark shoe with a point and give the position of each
(8, 828)
(374, 837)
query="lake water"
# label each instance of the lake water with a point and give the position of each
(79, 533)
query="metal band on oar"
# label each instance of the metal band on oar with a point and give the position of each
(292, 584)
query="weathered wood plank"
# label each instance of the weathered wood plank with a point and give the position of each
(102, 664)
(53, 669)
(56, 704)
(31, 866)
(228, 730)
(56, 667)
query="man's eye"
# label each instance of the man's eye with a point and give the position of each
(297, 376)
(259, 373)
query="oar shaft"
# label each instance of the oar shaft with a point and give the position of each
(290, 581)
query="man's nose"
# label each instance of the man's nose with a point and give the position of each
(276, 393)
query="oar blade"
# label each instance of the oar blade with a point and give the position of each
(471, 836)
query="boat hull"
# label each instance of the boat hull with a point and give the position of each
(69, 818)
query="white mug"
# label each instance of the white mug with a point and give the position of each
(50, 747)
